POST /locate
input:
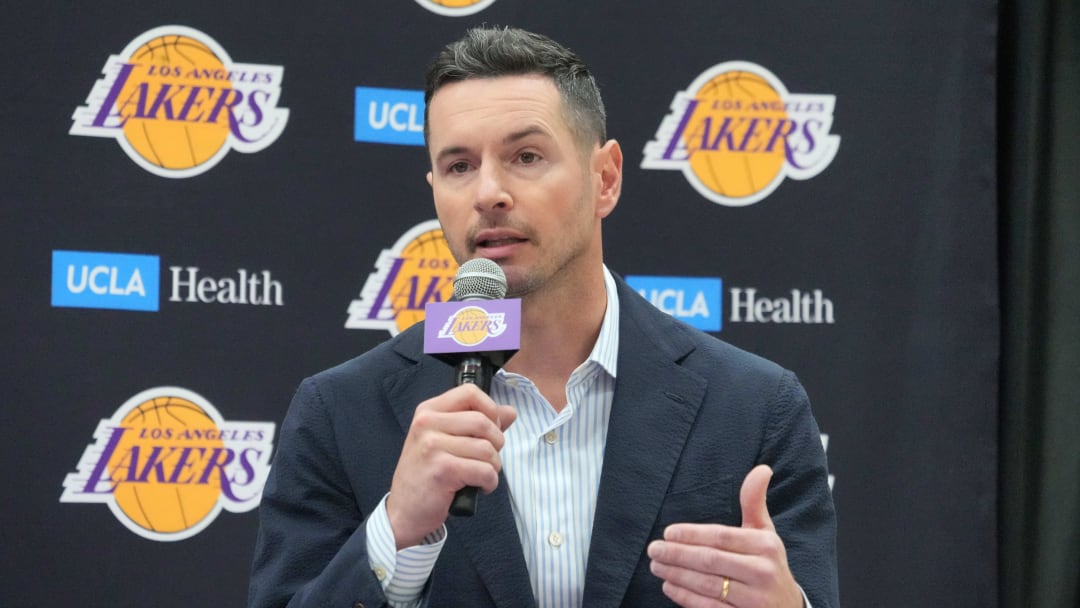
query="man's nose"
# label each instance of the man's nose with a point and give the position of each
(491, 193)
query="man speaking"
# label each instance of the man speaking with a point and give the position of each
(625, 459)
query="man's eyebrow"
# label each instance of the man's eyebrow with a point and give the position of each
(509, 139)
(453, 151)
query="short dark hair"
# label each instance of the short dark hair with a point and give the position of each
(490, 52)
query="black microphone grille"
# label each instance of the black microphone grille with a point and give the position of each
(479, 279)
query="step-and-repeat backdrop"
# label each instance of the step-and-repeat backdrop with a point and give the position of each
(202, 203)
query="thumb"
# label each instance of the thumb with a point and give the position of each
(755, 514)
(506, 416)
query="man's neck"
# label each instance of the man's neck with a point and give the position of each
(558, 333)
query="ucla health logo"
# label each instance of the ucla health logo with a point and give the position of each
(699, 302)
(167, 463)
(90, 279)
(176, 103)
(389, 116)
(455, 8)
(695, 300)
(416, 270)
(86, 279)
(736, 133)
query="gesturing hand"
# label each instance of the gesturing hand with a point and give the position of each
(709, 565)
(453, 442)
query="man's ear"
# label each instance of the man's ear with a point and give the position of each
(608, 166)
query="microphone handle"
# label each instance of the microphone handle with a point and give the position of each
(473, 369)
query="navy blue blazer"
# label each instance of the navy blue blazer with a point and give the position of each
(691, 416)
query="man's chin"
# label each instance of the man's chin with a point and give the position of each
(518, 282)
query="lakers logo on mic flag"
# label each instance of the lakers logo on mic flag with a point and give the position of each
(490, 325)
(473, 325)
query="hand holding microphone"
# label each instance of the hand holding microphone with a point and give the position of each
(455, 437)
(477, 279)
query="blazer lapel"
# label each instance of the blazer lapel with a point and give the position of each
(491, 541)
(655, 404)
(426, 378)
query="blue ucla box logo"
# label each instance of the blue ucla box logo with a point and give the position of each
(389, 116)
(695, 300)
(88, 279)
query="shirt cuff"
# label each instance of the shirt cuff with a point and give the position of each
(404, 573)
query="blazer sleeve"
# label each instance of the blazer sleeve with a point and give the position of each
(799, 498)
(311, 548)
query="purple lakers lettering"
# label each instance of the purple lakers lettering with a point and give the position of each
(156, 457)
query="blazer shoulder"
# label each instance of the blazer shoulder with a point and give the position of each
(387, 357)
(367, 374)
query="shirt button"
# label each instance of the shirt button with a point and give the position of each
(551, 437)
(380, 573)
(555, 539)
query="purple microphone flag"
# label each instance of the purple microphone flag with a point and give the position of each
(472, 326)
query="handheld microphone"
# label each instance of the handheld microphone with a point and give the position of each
(476, 279)
(477, 332)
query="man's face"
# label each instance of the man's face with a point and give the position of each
(510, 182)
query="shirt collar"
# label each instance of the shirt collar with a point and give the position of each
(606, 350)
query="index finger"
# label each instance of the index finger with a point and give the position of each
(464, 398)
(747, 541)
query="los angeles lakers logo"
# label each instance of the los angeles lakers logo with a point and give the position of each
(176, 103)
(167, 463)
(473, 325)
(416, 270)
(736, 133)
(455, 8)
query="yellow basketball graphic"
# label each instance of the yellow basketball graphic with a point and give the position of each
(469, 327)
(728, 150)
(171, 65)
(455, 3)
(427, 274)
(159, 484)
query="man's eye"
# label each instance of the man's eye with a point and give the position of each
(527, 158)
(458, 167)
